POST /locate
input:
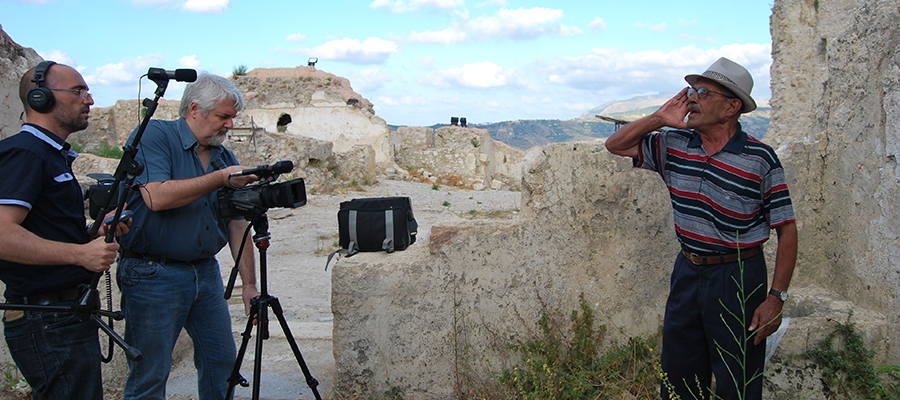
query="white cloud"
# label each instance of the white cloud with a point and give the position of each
(536, 99)
(190, 61)
(125, 72)
(446, 36)
(402, 6)
(206, 6)
(369, 79)
(295, 37)
(621, 75)
(370, 51)
(198, 6)
(492, 3)
(578, 106)
(481, 75)
(157, 3)
(518, 23)
(569, 30)
(60, 57)
(597, 25)
(427, 62)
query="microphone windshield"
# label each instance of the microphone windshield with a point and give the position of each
(185, 75)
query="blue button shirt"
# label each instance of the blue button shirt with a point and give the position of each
(37, 174)
(168, 151)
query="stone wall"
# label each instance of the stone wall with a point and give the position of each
(587, 220)
(318, 105)
(589, 224)
(458, 156)
(836, 120)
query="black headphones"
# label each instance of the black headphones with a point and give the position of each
(40, 98)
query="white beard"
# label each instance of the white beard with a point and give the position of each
(216, 140)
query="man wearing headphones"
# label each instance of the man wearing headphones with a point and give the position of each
(45, 249)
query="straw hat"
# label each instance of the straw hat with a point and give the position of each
(731, 75)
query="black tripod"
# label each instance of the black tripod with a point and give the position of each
(259, 307)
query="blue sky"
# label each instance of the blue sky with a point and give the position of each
(418, 61)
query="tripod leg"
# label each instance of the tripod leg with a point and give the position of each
(310, 381)
(262, 324)
(236, 378)
(132, 353)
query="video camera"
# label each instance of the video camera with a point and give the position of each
(254, 200)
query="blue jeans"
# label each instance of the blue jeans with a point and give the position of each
(695, 326)
(161, 299)
(58, 354)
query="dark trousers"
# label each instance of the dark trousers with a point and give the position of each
(58, 354)
(705, 330)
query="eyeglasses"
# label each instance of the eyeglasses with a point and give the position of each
(83, 93)
(703, 92)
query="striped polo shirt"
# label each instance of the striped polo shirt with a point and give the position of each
(734, 196)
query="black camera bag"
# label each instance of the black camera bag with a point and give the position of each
(375, 224)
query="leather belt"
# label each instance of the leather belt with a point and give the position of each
(152, 257)
(50, 298)
(721, 258)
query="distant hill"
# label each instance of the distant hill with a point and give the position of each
(523, 134)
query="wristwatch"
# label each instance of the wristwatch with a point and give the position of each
(783, 296)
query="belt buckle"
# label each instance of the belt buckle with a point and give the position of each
(697, 259)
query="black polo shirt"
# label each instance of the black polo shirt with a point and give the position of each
(36, 173)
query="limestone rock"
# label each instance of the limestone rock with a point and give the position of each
(14, 61)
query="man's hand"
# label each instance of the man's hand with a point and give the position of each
(766, 318)
(248, 294)
(98, 255)
(121, 228)
(627, 139)
(674, 110)
(241, 180)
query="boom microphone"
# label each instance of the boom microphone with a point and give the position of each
(180, 75)
(267, 170)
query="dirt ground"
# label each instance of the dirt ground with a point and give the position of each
(300, 240)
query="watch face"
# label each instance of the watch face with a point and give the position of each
(783, 296)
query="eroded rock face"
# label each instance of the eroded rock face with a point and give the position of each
(14, 61)
(591, 224)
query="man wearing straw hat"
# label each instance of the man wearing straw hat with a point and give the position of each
(728, 190)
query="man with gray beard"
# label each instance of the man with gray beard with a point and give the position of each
(168, 273)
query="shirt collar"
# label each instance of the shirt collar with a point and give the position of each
(734, 145)
(50, 138)
(186, 135)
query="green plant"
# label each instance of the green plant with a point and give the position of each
(446, 203)
(409, 168)
(239, 70)
(435, 186)
(391, 394)
(741, 378)
(475, 143)
(560, 363)
(13, 383)
(104, 150)
(108, 151)
(847, 369)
